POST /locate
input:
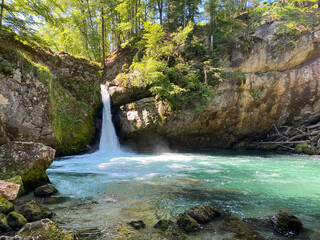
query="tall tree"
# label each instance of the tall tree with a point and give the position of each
(1, 13)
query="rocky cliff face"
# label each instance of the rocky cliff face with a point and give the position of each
(46, 97)
(279, 88)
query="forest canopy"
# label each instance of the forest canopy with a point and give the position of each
(93, 28)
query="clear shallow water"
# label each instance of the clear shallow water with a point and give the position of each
(106, 190)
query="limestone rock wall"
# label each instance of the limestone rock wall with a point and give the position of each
(46, 97)
(279, 89)
(271, 52)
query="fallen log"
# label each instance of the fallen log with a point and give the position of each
(289, 142)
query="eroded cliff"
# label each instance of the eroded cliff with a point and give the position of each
(275, 87)
(46, 97)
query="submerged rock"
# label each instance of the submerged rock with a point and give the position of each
(16, 220)
(137, 224)
(5, 206)
(4, 226)
(44, 229)
(34, 212)
(203, 213)
(286, 223)
(9, 190)
(241, 230)
(164, 224)
(28, 160)
(188, 223)
(45, 191)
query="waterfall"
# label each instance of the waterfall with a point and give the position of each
(108, 141)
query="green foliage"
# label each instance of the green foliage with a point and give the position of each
(5, 66)
(255, 94)
(168, 67)
(39, 70)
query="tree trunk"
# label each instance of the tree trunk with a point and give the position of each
(205, 75)
(1, 14)
(102, 40)
(185, 13)
(160, 8)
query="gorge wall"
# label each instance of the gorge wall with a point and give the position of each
(279, 86)
(46, 97)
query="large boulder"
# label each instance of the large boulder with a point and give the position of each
(32, 211)
(286, 223)
(9, 190)
(5, 206)
(203, 213)
(27, 159)
(16, 220)
(44, 229)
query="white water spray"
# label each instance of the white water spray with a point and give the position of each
(108, 141)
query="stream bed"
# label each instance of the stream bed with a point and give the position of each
(101, 192)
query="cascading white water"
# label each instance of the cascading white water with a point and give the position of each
(108, 141)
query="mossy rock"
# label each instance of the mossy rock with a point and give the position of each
(203, 213)
(4, 226)
(71, 120)
(32, 211)
(305, 148)
(188, 223)
(286, 223)
(45, 191)
(5, 206)
(164, 224)
(44, 229)
(16, 220)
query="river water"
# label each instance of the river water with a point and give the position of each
(101, 192)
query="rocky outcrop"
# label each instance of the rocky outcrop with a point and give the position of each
(46, 97)
(121, 95)
(273, 52)
(246, 107)
(28, 160)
